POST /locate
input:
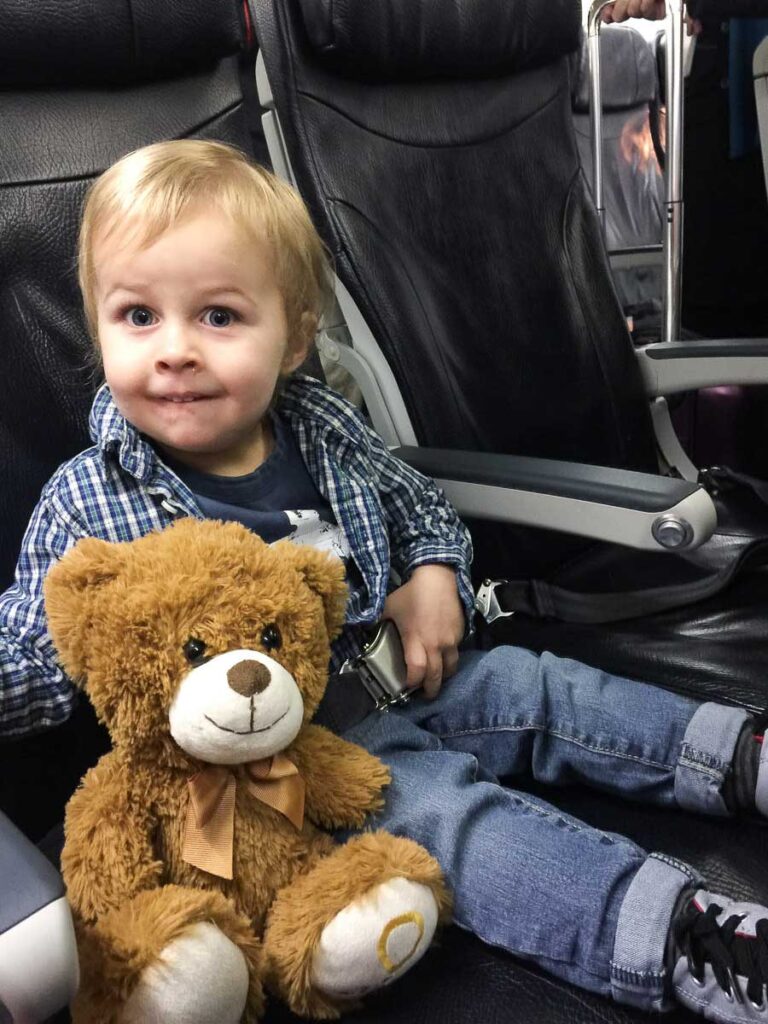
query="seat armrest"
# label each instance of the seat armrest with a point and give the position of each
(38, 956)
(669, 367)
(639, 510)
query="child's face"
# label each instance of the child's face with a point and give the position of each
(193, 337)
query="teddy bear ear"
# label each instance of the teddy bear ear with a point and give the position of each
(69, 589)
(324, 575)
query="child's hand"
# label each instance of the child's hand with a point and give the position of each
(430, 618)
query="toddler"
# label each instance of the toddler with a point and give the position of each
(204, 282)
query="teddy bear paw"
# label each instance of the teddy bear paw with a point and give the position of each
(198, 978)
(375, 939)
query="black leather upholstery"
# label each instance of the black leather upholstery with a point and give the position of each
(399, 40)
(113, 42)
(448, 137)
(460, 223)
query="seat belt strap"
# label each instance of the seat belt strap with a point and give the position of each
(542, 600)
(721, 478)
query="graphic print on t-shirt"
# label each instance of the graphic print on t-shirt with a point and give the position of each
(309, 528)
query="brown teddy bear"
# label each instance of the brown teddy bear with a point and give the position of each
(194, 857)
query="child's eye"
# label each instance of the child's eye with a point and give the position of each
(218, 317)
(139, 316)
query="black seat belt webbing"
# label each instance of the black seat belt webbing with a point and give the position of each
(545, 600)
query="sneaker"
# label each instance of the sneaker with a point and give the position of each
(721, 958)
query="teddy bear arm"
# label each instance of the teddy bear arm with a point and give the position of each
(108, 855)
(344, 783)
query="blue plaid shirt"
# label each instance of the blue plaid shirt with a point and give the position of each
(394, 518)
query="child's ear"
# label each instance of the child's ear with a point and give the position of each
(72, 589)
(298, 347)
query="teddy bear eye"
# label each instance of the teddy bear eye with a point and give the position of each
(270, 637)
(194, 650)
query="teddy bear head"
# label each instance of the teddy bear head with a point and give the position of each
(200, 641)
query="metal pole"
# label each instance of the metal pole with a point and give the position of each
(596, 104)
(673, 228)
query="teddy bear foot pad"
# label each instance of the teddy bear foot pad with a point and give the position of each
(199, 977)
(376, 939)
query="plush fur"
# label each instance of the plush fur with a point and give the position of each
(120, 616)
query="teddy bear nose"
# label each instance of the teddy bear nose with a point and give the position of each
(248, 677)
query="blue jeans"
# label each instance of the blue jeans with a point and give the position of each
(589, 906)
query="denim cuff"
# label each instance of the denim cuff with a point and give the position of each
(638, 970)
(705, 757)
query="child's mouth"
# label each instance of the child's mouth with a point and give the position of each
(183, 399)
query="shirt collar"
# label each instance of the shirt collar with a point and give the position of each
(306, 399)
(112, 432)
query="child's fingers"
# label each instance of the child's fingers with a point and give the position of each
(415, 661)
(433, 677)
(428, 666)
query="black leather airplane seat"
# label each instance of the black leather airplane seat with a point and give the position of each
(434, 145)
(450, 192)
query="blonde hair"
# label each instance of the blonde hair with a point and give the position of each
(150, 190)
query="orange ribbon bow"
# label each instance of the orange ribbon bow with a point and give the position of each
(210, 826)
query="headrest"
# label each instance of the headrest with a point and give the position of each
(410, 39)
(113, 42)
(627, 70)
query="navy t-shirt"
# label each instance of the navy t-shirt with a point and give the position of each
(277, 500)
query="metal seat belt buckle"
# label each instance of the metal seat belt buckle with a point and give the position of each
(487, 603)
(381, 667)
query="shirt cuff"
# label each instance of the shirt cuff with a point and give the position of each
(463, 582)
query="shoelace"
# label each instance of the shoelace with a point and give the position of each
(702, 940)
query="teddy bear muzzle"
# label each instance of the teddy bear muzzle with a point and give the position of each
(238, 706)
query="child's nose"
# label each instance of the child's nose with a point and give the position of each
(176, 352)
(176, 362)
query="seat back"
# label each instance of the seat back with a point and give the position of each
(633, 183)
(76, 96)
(434, 145)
